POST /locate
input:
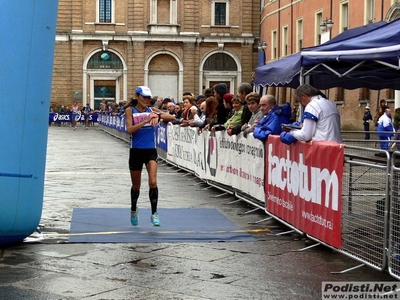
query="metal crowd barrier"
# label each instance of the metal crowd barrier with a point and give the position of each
(370, 202)
(394, 230)
(365, 205)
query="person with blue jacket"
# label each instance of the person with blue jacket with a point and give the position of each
(385, 124)
(274, 117)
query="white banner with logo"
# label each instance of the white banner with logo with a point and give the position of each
(186, 149)
(233, 161)
(236, 161)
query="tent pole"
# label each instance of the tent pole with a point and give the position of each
(301, 79)
(396, 99)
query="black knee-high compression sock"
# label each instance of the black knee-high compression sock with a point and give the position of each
(134, 199)
(153, 195)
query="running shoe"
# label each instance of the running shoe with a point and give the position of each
(155, 219)
(135, 217)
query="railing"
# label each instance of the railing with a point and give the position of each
(394, 212)
(364, 211)
(370, 185)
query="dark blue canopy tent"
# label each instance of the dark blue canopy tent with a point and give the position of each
(286, 71)
(283, 72)
(367, 60)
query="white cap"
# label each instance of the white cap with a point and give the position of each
(144, 91)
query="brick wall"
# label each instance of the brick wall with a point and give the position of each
(79, 36)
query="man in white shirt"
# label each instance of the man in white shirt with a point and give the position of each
(385, 124)
(321, 119)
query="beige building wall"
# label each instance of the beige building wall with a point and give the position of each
(276, 15)
(155, 40)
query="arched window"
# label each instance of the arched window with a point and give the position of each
(104, 60)
(220, 62)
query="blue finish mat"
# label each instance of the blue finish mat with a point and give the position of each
(112, 225)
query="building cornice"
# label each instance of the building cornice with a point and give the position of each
(143, 36)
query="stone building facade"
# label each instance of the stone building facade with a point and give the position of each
(105, 48)
(288, 26)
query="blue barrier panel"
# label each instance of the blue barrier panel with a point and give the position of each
(161, 137)
(28, 30)
(67, 118)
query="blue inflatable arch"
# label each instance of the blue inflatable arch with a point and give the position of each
(29, 28)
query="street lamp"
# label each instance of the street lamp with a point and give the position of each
(261, 53)
(327, 24)
(262, 46)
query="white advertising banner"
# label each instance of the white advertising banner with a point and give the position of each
(170, 143)
(236, 161)
(252, 162)
(199, 156)
(186, 148)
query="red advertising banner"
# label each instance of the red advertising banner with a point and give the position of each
(303, 186)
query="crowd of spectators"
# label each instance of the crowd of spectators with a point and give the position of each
(245, 112)
(216, 109)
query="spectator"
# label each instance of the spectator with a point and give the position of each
(396, 125)
(211, 112)
(200, 99)
(235, 120)
(86, 112)
(253, 103)
(101, 108)
(159, 102)
(396, 119)
(273, 116)
(366, 119)
(380, 111)
(385, 124)
(220, 90)
(208, 92)
(171, 108)
(321, 119)
(228, 104)
(293, 116)
(178, 111)
(383, 103)
(199, 120)
(188, 102)
(123, 106)
(115, 109)
(62, 111)
(243, 90)
(164, 106)
(153, 101)
(109, 108)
